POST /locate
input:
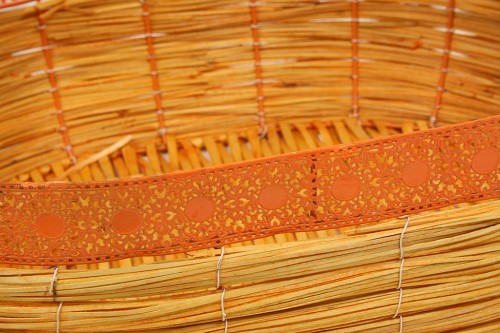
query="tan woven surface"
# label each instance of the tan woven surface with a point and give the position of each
(205, 59)
(80, 72)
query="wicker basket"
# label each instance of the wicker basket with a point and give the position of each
(259, 166)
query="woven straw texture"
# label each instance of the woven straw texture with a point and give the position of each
(317, 118)
(99, 58)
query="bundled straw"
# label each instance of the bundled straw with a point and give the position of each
(349, 283)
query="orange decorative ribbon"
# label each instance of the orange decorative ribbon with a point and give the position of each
(65, 223)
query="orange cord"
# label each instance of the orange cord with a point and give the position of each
(54, 89)
(261, 114)
(154, 73)
(444, 65)
(355, 60)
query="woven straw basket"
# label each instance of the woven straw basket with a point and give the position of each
(249, 166)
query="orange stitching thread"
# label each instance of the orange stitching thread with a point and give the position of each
(444, 65)
(261, 114)
(154, 72)
(355, 60)
(54, 89)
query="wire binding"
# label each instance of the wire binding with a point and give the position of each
(222, 304)
(402, 258)
(58, 315)
(401, 249)
(218, 286)
(401, 273)
(218, 266)
(263, 134)
(399, 302)
(53, 281)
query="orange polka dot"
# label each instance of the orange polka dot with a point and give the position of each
(485, 161)
(200, 209)
(273, 197)
(416, 173)
(126, 221)
(50, 225)
(346, 188)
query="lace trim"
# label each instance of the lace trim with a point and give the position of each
(64, 223)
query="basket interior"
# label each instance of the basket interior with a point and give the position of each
(143, 88)
(86, 73)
